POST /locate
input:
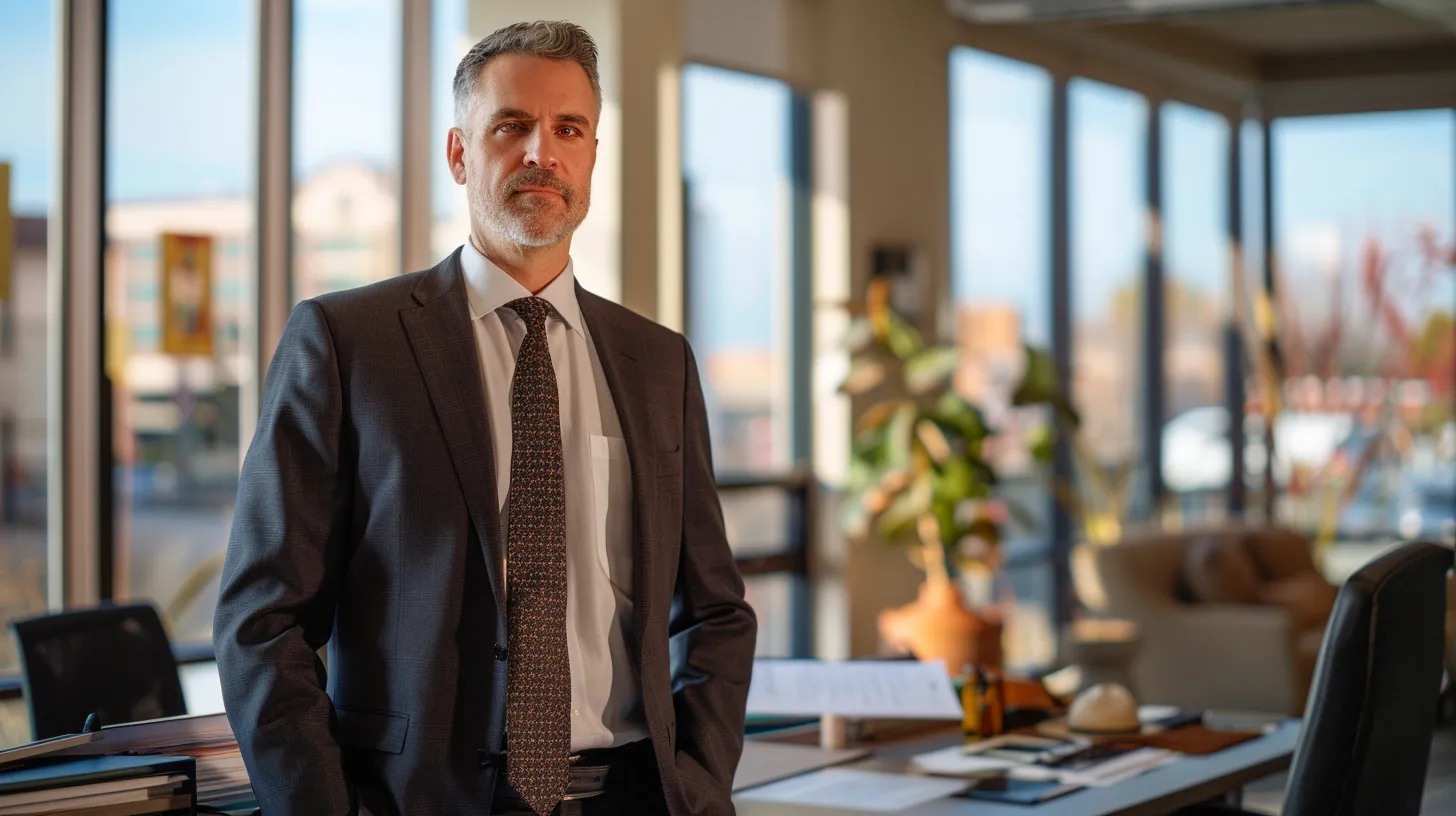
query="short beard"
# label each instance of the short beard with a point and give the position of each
(530, 222)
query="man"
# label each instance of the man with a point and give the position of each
(490, 492)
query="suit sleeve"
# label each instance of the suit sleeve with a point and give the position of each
(275, 607)
(713, 629)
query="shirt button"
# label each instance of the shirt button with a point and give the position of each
(500, 652)
(576, 712)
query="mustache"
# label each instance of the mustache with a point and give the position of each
(535, 177)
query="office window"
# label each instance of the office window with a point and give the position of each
(736, 154)
(1196, 288)
(28, 96)
(451, 40)
(1108, 242)
(179, 266)
(1000, 277)
(738, 200)
(345, 144)
(1363, 213)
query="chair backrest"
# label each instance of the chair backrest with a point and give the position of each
(113, 661)
(1373, 703)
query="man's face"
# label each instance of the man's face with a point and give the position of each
(527, 152)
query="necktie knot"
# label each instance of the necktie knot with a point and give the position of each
(533, 310)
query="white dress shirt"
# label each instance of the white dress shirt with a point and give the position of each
(605, 700)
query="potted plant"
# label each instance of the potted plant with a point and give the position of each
(918, 479)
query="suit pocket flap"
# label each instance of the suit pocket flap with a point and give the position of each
(669, 463)
(373, 730)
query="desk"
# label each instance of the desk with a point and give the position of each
(1188, 781)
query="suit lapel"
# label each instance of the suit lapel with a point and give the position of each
(621, 370)
(443, 340)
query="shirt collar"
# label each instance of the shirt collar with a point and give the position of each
(489, 288)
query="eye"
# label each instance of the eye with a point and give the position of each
(570, 131)
(511, 127)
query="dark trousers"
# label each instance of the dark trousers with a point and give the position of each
(632, 786)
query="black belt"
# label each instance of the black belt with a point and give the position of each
(592, 770)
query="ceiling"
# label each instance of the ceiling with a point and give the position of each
(1295, 57)
(1319, 28)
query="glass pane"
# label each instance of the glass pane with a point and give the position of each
(179, 229)
(27, 153)
(1000, 273)
(774, 600)
(758, 520)
(1109, 229)
(346, 144)
(1196, 457)
(451, 221)
(1364, 211)
(736, 140)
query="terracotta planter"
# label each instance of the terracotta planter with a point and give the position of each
(938, 625)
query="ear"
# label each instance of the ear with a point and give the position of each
(455, 154)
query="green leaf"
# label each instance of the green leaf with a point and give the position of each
(931, 368)
(1042, 440)
(1039, 382)
(899, 433)
(955, 481)
(877, 415)
(944, 513)
(1040, 386)
(863, 376)
(901, 338)
(962, 418)
(899, 519)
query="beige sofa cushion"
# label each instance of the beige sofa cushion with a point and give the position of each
(1218, 570)
(1306, 597)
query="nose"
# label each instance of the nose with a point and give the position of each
(540, 150)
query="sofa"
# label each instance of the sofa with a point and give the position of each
(1249, 656)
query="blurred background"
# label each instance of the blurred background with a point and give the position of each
(1227, 223)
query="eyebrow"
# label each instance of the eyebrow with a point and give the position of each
(517, 113)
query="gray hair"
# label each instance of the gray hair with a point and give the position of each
(557, 40)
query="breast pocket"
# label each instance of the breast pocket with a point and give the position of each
(612, 509)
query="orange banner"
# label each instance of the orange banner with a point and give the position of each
(186, 294)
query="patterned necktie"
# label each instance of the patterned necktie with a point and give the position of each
(538, 677)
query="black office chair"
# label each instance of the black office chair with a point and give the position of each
(1373, 703)
(113, 661)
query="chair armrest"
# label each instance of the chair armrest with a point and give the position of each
(1217, 656)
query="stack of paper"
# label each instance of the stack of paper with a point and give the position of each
(99, 786)
(222, 780)
(853, 688)
(847, 789)
(1111, 771)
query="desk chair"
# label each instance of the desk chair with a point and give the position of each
(1372, 708)
(113, 661)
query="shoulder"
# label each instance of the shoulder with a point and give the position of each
(390, 294)
(653, 340)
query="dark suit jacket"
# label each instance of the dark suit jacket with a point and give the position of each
(367, 518)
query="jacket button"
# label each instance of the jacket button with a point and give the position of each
(500, 652)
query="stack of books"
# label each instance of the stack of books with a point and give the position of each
(98, 786)
(222, 780)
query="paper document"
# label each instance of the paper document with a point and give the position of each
(1112, 771)
(954, 761)
(853, 688)
(848, 790)
(765, 761)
